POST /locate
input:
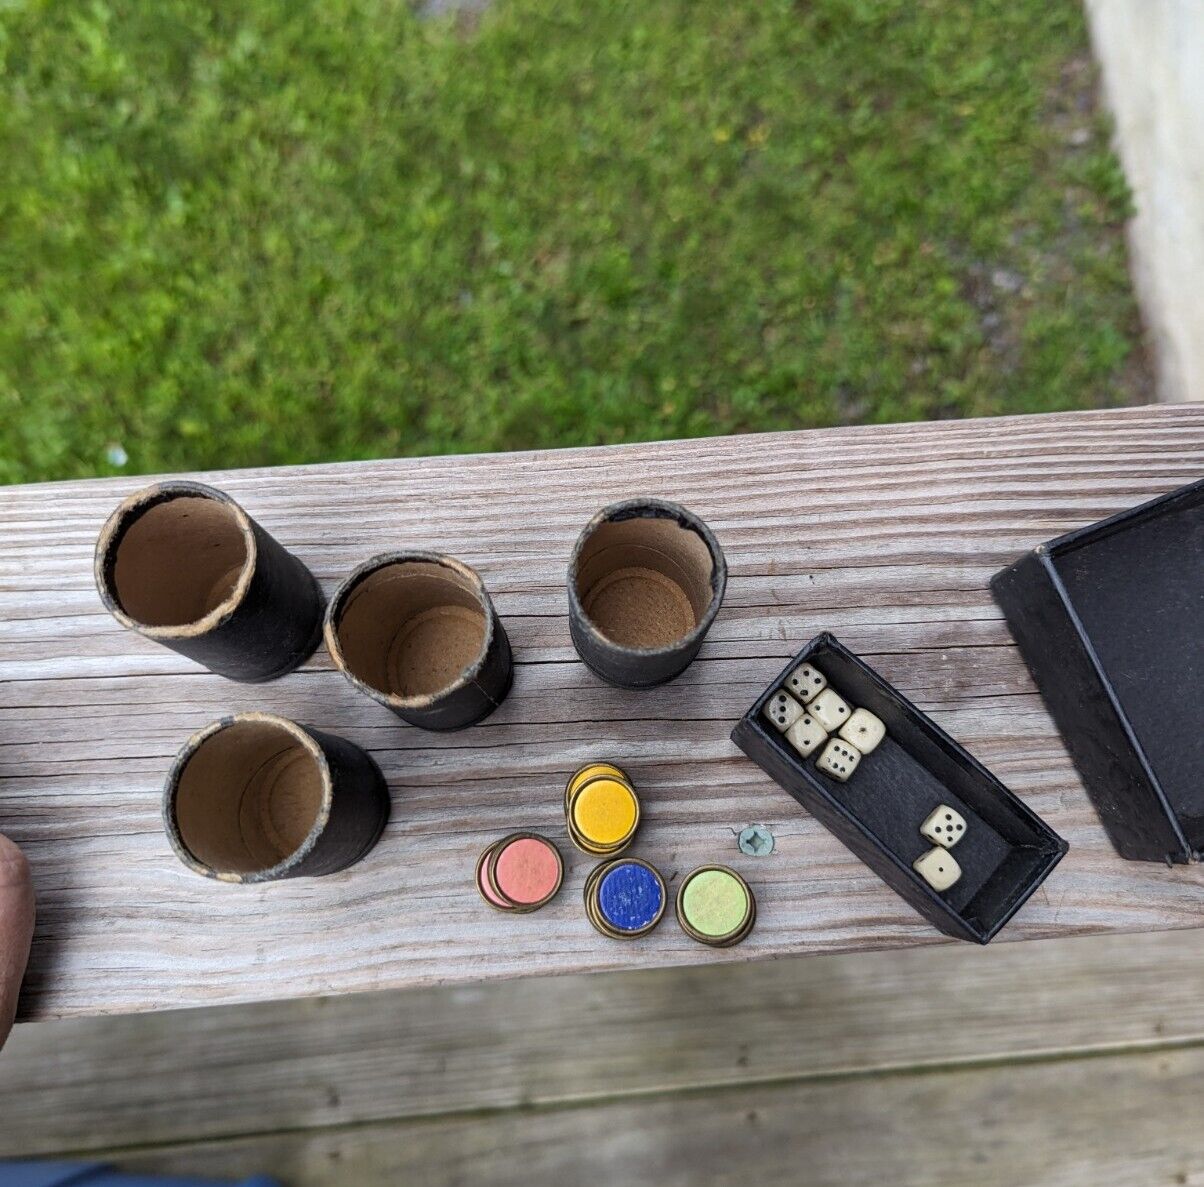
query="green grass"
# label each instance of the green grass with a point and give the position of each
(281, 231)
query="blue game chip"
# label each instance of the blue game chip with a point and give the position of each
(631, 897)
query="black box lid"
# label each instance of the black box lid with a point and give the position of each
(1110, 620)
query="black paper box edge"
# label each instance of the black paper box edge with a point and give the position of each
(753, 738)
(1081, 699)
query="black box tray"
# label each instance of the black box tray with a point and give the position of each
(1007, 851)
(1110, 620)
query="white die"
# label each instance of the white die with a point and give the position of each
(839, 760)
(806, 682)
(945, 827)
(864, 730)
(938, 868)
(830, 710)
(806, 734)
(783, 710)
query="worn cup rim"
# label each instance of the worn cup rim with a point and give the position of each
(338, 603)
(188, 751)
(650, 508)
(126, 514)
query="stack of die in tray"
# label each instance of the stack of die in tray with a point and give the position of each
(807, 710)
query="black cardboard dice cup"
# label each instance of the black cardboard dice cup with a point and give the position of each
(645, 582)
(1007, 850)
(255, 798)
(184, 565)
(1110, 620)
(417, 632)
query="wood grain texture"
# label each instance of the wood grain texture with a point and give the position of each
(1130, 1120)
(889, 543)
(92, 1084)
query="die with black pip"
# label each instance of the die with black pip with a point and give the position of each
(816, 719)
(944, 826)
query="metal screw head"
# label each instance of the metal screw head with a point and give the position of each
(756, 841)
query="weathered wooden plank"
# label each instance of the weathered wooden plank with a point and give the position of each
(1129, 1120)
(88, 1084)
(892, 548)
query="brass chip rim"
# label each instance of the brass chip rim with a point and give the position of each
(489, 858)
(599, 768)
(593, 910)
(574, 789)
(734, 936)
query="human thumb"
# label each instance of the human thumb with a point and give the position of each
(16, 928)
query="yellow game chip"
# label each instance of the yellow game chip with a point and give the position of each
(605, 812)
